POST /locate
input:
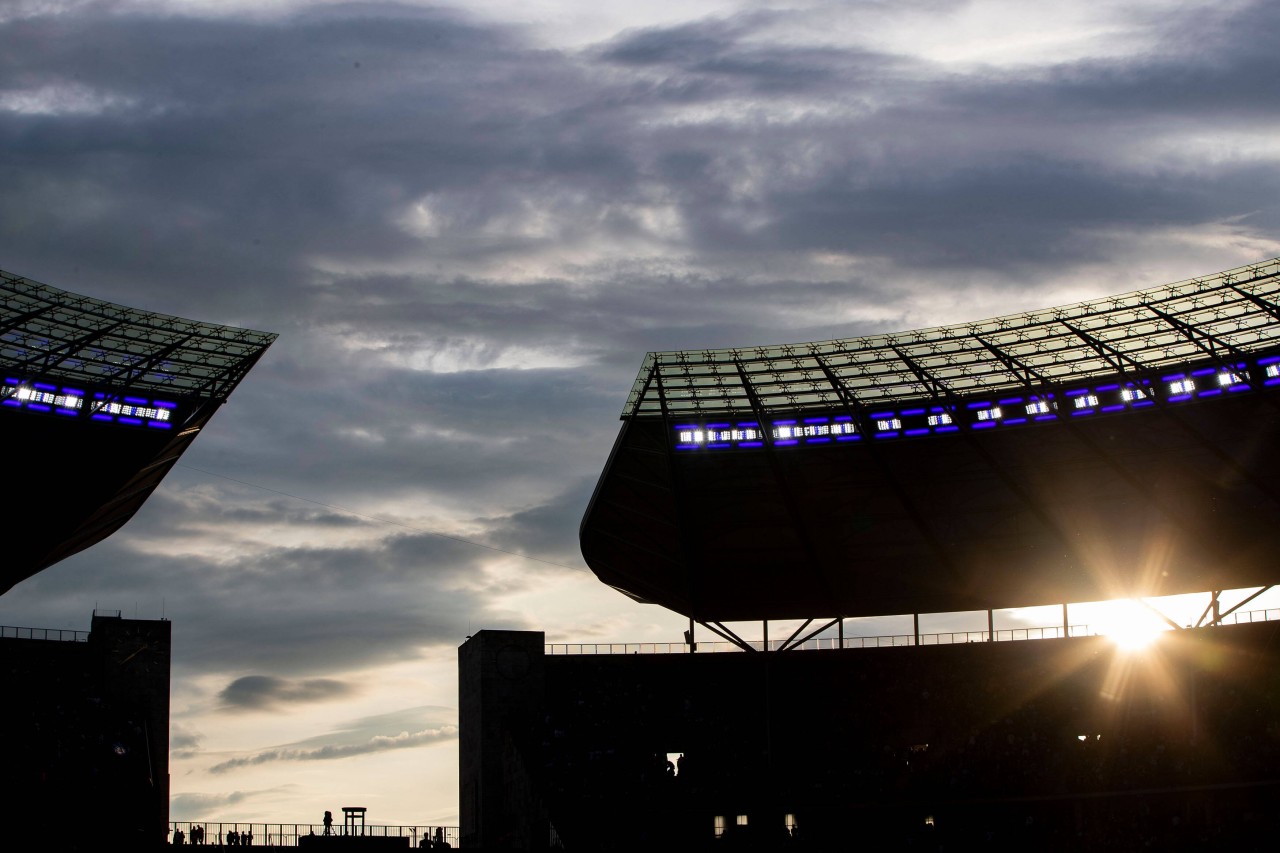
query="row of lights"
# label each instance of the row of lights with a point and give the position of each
(981, 414)
(62, 400)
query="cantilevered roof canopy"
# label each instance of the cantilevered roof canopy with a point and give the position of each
(53, 333)
(1143, 330)
(97, 403)
(1118, 447)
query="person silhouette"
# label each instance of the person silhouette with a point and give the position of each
(328, 823)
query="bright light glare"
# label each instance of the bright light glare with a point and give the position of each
(1131, 626)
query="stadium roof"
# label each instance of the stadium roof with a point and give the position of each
(56, 334)
(1237, 310)
(102, 400)
(1114, 448)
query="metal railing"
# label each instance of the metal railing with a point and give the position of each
(883, 641)
(1271, 614)
(876, 642)
(249, 834)
(44, 634)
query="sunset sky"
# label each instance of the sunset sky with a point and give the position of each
(469, 222)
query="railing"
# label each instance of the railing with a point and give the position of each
(248, 834)
(883, 641)
(1242, 616)
(44, 634)
(879, 642)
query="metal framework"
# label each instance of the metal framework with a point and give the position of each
(1215, 317)
(51, 333)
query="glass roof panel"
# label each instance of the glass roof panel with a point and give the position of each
(1146, 329)
(49, 332)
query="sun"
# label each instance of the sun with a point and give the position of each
(1131, 626)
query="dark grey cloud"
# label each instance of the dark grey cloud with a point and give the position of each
(408, 728)
(380, 743)
(266, 692)
(297, 612)
(195, 806)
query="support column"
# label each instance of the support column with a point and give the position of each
(991, 626)
(1066, 626)
(915, 619)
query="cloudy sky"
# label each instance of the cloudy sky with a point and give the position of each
(469, 222)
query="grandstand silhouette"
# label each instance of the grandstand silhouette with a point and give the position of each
(97, 403)
(1114, 448)
(102, 400)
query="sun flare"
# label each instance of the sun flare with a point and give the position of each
(1131, 626)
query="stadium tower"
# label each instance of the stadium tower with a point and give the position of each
(97, 404)
(1121, 447)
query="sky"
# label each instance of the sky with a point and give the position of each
(469, 222)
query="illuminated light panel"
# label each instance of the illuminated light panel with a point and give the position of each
(979, 414)
(131, 411)
(750, 435)
(45, 398)
(32, 395)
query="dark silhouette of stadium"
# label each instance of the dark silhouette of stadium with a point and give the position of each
(1115, 448)
(102, 400)
(97, 403)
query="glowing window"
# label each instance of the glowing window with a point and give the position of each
(1038, 407)
(1131, 394)
(1088, 401)
(939, 420)
(1182, 386)
(993, 414)
(1225, 379)
(1273, 370)
(891, 423)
